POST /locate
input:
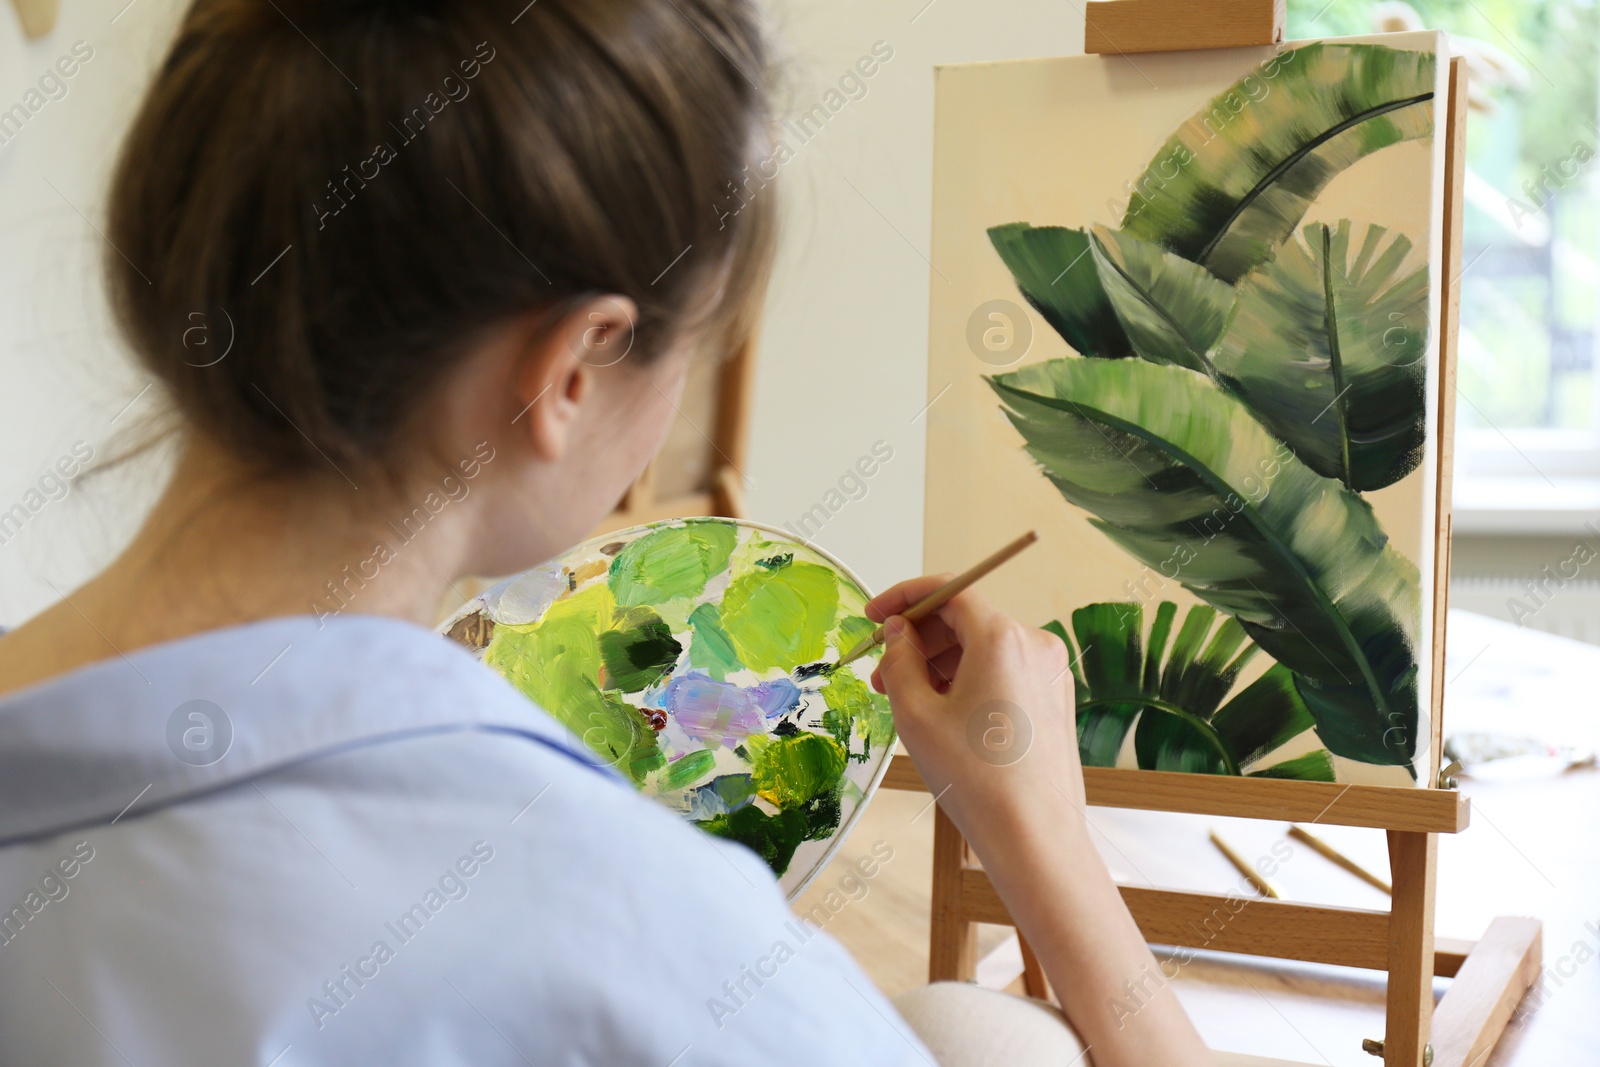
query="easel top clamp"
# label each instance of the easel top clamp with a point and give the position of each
(1492, 974)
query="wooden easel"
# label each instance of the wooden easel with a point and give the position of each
(1492, 974)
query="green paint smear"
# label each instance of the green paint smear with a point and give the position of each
(781, 619)
(735, 790)
(638, 650)
(852, 704)
(711, 649)
(672, 562)
(853, 629)
(775, 837)
(552, 659)
(687, 770)
(790, 771)
(619, 733)
(557, 662)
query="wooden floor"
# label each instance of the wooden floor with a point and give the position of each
(1533, 849)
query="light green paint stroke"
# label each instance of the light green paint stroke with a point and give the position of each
(781, 619)
(852, 704)
(789, 771)
(687, 770)
(556, 661)
(550, 660)
(853, 629)
(710, 648)
(671, 563)
(617, 732)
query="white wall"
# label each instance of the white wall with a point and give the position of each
(844, 343)
(63, 378)
(844, 347)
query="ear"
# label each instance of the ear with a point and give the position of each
(556, 374)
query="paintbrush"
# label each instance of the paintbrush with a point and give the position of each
(1265, 887)
(1323, 848)
(942, 595)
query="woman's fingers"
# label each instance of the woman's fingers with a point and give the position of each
(903, 669)
(897, 598)
(937, 640)
(942, 668)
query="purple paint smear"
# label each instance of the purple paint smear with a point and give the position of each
(723, 713)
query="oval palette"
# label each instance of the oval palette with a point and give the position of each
(694, 656)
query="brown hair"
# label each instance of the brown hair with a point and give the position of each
(350, 192)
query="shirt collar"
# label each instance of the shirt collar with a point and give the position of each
(121, 737)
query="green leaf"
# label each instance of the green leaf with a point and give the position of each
(1179, 474)
(1057, 275)
(1264, 717)
(1328, 352)
(1171, 700)
(1110, 666)
(1312, 767)
(1172, 310)
(1239, 175)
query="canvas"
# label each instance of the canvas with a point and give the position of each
(694, 656)
(1182, 323)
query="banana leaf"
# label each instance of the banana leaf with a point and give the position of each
(1057, 275)
(1238, 176)
(1328, 353)
(1172, 310)
(1173, 700)
(1181, 475)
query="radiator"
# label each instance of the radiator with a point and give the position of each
(1571, 608)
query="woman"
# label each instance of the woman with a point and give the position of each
(251, 809)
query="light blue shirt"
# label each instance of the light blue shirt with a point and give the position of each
(290, 845)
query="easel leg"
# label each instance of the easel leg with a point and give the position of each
(953, 940)
(1492, 980)
(1412, 861)
(1034, 982)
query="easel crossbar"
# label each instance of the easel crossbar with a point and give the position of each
(1345, 937)
(1437, 811)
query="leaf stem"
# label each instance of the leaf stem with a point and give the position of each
(1295, 157)
(1205, 729)
(1335, 359)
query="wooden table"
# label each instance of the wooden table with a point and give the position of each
(1533, 849)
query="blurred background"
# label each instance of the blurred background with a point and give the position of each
(842, 364)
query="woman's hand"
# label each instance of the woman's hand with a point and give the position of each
(984, 705)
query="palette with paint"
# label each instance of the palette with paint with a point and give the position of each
(694, 656)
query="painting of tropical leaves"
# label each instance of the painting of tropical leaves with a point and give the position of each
(1056, 274)
(1326, 345)
(1237, 178)
(1180, 702)
(1172, 310)
(1181, 475)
